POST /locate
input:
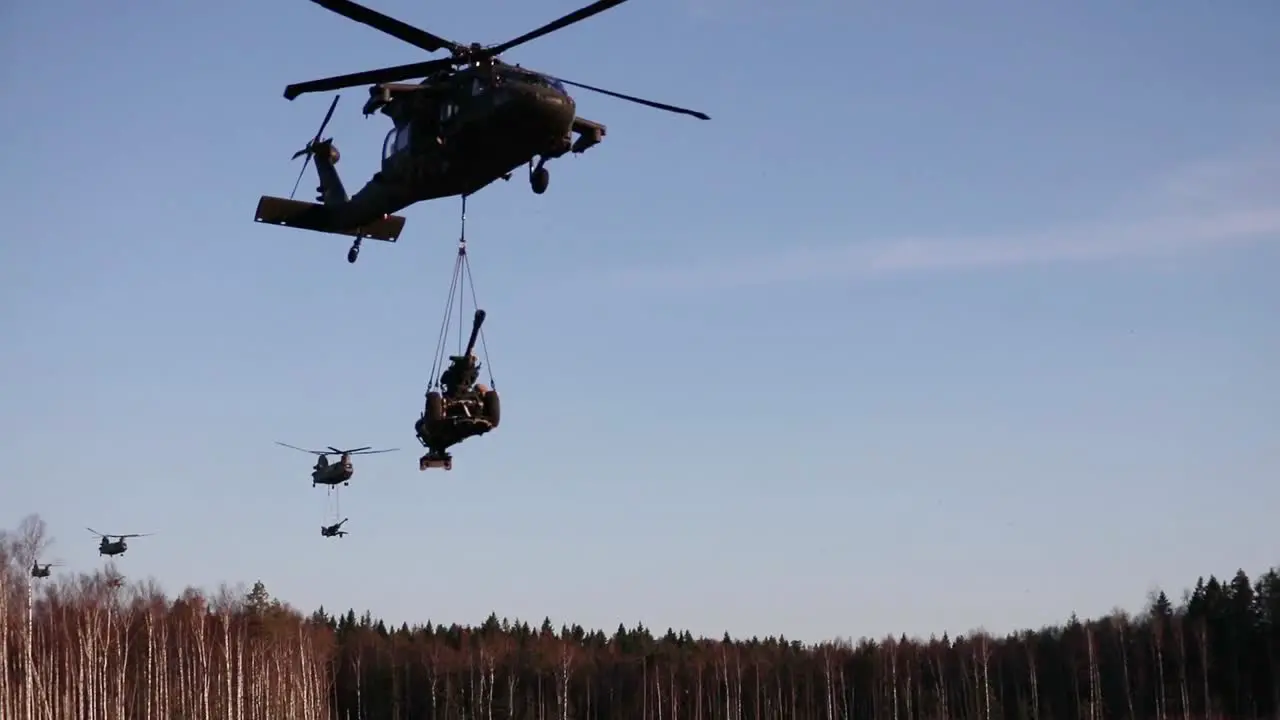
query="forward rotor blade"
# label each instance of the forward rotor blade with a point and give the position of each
(294, 447)
(368, 77)
(367, 451)
(359, 449)
(576, 16)
(95, 532)
(642, 101)
(389, 25)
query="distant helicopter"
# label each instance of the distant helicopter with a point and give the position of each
(338, 473)
(334, 530)
(42, 571)
(118, 547)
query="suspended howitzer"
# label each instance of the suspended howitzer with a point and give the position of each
(462, 408)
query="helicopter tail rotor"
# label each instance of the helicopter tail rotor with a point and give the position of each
(310, 148)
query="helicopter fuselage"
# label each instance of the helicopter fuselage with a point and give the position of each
(335, 474)
(106, 547)
(458, 145)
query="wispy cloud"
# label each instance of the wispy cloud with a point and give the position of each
(1213, 205)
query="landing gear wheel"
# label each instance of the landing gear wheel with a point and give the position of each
(539, 180)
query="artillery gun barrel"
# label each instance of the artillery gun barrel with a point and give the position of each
(475, 332)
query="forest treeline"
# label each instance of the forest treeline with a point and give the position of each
(94, 646)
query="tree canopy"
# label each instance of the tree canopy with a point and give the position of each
(93, 646)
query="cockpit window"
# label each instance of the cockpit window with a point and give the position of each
(397, 140)
(535, 79)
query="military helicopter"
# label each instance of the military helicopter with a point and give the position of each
(118, 547)
(334, 530)
(472, 120)
(42, 571)
(338, 473)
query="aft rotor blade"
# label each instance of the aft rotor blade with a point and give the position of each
(368, 77)
(95, 532)
(294, 447)
(121, 537)
(367, 451)
(576, 16)
(642, 101)
(389, 25)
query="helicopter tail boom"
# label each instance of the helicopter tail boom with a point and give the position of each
(314, 216)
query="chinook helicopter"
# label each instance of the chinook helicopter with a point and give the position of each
(116, 547)
(338, 473)
(42, 571)
(471, 120)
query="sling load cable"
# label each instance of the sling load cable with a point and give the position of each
(457, 288)
(332, 506)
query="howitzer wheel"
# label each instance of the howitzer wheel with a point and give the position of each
(492, 407)
(435, 408)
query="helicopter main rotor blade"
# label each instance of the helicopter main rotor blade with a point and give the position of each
(576, 16)
(367, 451)
(634, 99)
(294, 447)
(368, 77)
(95, 532)
(389, 25)
(131, 535)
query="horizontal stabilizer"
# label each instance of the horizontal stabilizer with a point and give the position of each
(308, 216)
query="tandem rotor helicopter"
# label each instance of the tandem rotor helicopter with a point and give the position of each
(471, 120)
(42, 571)
(338, 473)
(116, 547)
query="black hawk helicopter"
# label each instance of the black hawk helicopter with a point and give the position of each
(472, 120)
(116, 547)
(42, 571)
(334, 530)
(339, 473)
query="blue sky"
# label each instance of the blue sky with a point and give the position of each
(951, 316)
